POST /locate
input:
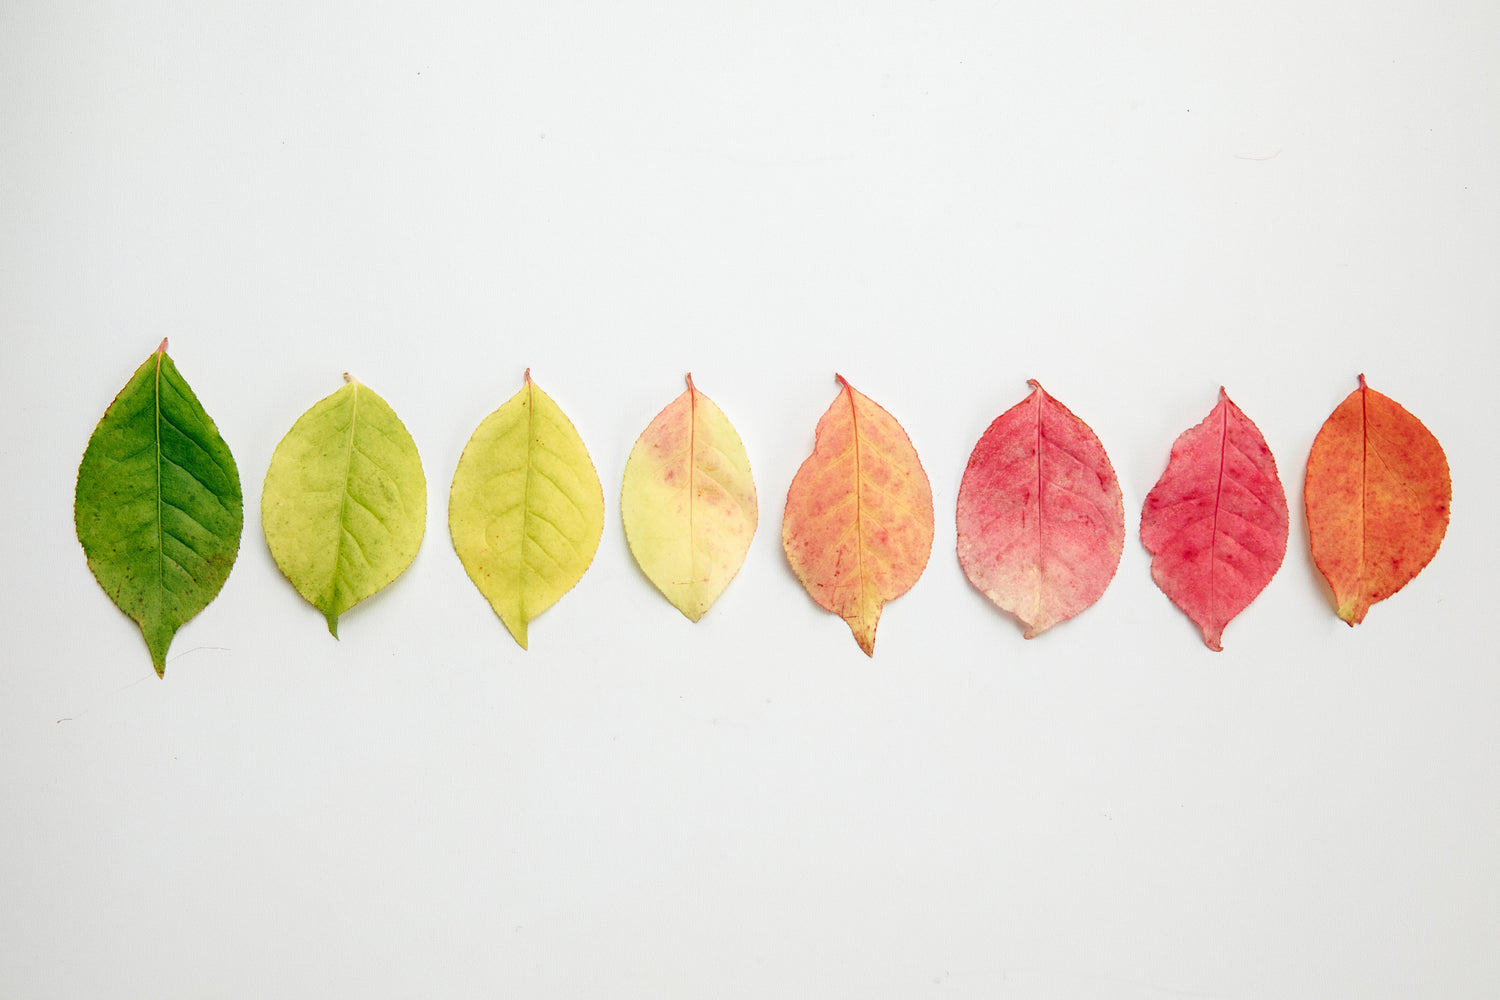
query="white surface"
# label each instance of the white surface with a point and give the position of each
(1132, 203)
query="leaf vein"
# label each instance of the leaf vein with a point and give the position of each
(547, 478)
(189, 515)
(198, 482)
(1103, 517)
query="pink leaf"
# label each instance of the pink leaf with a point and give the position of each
(1040, 520)
(1216, 521)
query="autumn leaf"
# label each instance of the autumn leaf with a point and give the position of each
(345, 503)
(1377, 496)
(858, 524)
(526, 510)
(688, 502)
(1041, 524)
(1216, 521)
(158, 506)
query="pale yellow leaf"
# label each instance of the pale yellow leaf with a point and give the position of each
(688, 502)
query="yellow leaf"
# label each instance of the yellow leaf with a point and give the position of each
(526, 510)
(688, 502)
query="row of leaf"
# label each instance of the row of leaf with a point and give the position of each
(1041, 523)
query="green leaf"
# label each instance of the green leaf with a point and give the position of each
(158, 506)
(526, 510)
(345, 501)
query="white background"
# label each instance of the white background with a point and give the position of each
(1133, 203)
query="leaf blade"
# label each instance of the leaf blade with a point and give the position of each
(344, 505)
(1216, 522)
(1377, 495)
(688, 502)
(1041, 521)
(858, 525)
(526, 509)
(157, 506)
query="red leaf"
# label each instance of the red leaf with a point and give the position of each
(1377, 497)
(1040, 519)
(1216, 521)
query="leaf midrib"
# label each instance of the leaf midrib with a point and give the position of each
(161, 544)
(1364, 485)
(521, 564)
(1041, 507)
(859, 499)
(1213, 536)
(338, 553)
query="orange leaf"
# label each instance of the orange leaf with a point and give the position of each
(1377, 495)
(858, 523)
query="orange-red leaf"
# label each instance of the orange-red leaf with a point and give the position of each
(858, 523)
(1040, 521)
(1216, 521)
(1377, 496)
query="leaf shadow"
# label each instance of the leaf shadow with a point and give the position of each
(368, 606)
(1301, 537)
(979, 599)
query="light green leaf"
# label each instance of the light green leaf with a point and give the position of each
(526, 510)
(345, 501)
(158, 506)
(688, 502)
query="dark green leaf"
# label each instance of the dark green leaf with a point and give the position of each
(158, 506)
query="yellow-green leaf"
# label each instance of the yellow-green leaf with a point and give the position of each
(526, 510)
(688, 502)
(158, 506)
(345, 502)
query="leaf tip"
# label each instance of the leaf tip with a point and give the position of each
(1035, 385)
(527, 377)
(691, 387)
(333, 623)
(1213, 636)
(517, 631)
(864, 633)
(162, 348)
(157, 645)
(1362, 381)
